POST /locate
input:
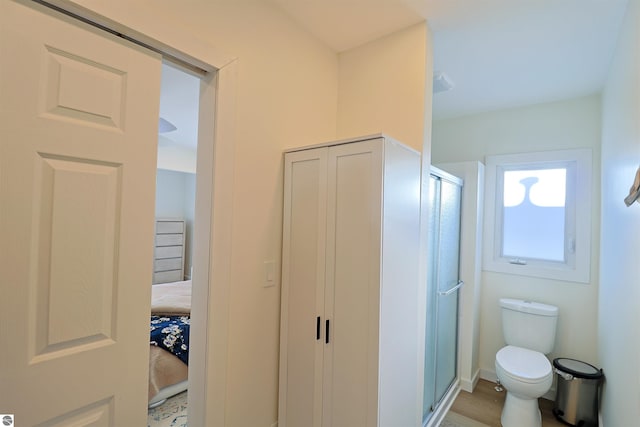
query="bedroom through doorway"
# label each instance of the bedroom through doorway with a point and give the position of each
(170, 319)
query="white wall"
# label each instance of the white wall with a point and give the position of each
(561, 125)
(383, 88)
(173, 156)
(286, 97)
(170, 194)
(287, 93)
(619, 305)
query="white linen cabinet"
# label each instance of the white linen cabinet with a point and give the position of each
(350, 325)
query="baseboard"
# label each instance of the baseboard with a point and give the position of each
(469, 385)
(489, 375)
(551, 394)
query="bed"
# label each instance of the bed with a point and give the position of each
(169, 340)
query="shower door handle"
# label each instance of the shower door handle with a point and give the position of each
(452, 290)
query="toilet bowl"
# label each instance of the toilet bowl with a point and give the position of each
(526, 375)
(521, 366)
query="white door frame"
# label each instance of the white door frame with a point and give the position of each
(214, 199)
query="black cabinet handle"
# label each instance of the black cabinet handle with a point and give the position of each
(318, 327)
(326, 337)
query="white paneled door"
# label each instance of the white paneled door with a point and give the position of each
(78, 131)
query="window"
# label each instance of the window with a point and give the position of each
(538, 214)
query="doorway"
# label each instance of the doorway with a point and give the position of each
(213, 196)
(173, 246)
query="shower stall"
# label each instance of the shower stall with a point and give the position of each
(443, 285)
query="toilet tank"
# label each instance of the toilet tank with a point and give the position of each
(529, 324)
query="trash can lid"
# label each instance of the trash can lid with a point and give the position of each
(577, 368)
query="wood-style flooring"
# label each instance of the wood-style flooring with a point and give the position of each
(484, 405)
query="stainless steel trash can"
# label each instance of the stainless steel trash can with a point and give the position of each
(578, 390)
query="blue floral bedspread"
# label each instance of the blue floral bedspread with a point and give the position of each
(172, 334)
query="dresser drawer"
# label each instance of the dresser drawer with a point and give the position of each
(169, 239)
(167, 276)
(168, 227)
(169, 252)
(167, 264)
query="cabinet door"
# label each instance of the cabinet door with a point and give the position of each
(303, 277)
(354, 197)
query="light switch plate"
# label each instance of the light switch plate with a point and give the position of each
(269, 274)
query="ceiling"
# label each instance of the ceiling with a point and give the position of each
(179, 101)
(498, 53)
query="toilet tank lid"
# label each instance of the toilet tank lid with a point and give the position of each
(529, 307)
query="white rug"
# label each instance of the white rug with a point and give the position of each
(172, 413)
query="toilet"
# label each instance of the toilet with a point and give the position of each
(522, 368)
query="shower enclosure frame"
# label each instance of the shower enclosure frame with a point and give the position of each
(443, 286)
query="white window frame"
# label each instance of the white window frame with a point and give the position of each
(577, 265)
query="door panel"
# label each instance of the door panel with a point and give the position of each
(78, 117)
(352, 293)
(303, 288)
(448, 276)
(446, 344)
(73, 230)
(65, 75)
(449, 243)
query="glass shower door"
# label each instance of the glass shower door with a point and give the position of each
(442, 289)
(447, 287)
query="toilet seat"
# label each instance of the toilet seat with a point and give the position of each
(524, 365)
